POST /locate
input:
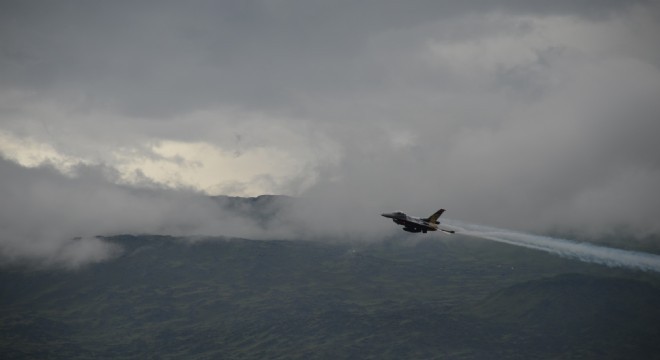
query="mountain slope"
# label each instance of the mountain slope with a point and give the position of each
(231, 298)
(578, 315)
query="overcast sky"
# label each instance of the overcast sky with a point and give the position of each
(532, 115)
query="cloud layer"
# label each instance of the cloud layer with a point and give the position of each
(517, 114)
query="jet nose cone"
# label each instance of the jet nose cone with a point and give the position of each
(386, 215)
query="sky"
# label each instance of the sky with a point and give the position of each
(119, 117)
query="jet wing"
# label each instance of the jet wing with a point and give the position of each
(416, 224)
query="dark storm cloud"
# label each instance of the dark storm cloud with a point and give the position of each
(160, 58)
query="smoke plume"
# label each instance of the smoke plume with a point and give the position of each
(586, 252)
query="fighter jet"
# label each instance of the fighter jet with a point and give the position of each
(414, 224)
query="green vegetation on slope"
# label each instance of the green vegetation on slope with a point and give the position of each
(450, 298)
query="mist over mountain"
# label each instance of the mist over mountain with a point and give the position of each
(50, 219)
(55, 220)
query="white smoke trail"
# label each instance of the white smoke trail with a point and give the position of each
(565, 248)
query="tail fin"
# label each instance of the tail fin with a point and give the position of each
(433, 219)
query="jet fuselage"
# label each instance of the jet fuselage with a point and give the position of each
(414, 224)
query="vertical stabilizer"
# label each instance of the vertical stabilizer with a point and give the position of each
(433, 219)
